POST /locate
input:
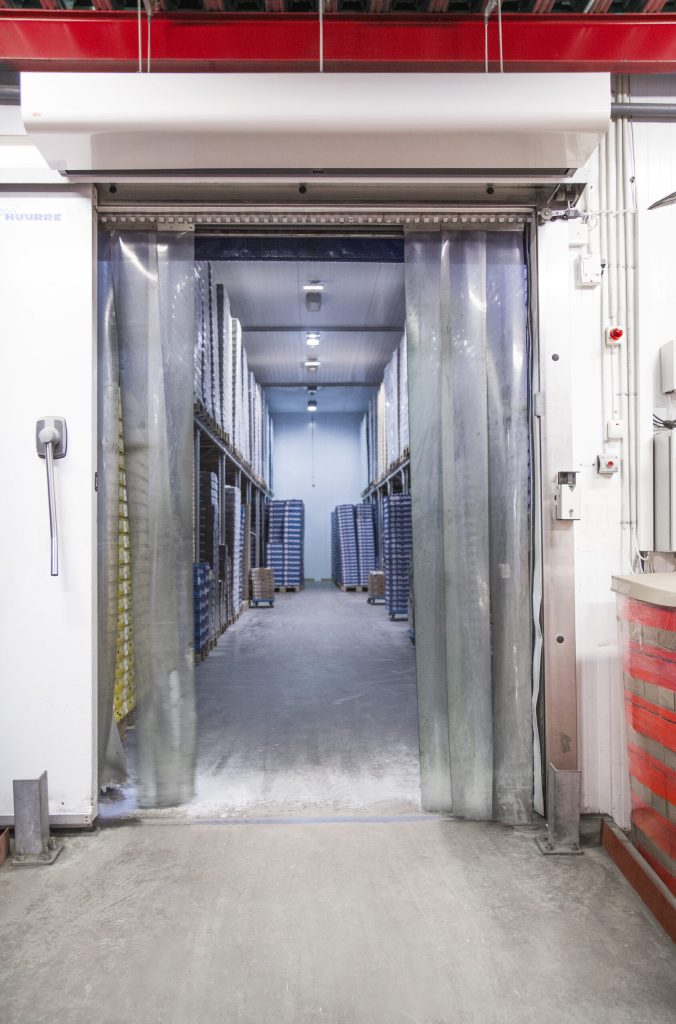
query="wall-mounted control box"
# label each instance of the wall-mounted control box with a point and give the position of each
(668, 367)
(607, 464)
(567, 504)
(664, 472)
(589, 270)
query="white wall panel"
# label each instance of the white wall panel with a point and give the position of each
(598, 535)
(47, 624)
(324, 472)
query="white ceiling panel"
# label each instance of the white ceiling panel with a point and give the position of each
(361, 319)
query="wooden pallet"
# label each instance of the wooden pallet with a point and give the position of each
(256, 602)
(349, 589)
(287, 590)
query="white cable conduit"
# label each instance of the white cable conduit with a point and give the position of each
(617, 226)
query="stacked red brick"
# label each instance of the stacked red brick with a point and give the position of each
(648, 648)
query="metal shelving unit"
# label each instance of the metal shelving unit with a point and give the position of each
(397, 480)
(213, 453)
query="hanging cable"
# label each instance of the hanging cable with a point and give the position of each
(150, 21)
(140, 40)
(502, 65)
(320, 8)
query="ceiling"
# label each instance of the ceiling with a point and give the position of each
(361, 322)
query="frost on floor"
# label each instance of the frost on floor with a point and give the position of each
(308, 708)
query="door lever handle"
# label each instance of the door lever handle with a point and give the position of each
(51, 442)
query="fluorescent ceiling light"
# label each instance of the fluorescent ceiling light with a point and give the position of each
(313, 286)
(311, 364)
(312, 339)
(312, 405)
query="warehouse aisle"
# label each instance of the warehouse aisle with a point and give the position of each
(308, 708)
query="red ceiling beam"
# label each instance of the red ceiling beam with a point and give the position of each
(107, 41)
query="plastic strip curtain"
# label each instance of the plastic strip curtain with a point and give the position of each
(466, 296)
(152, 296)
(111, 759)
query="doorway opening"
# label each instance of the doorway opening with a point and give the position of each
(310, 504)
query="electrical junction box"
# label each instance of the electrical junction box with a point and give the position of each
(664, 471)
(615, 430)
(668, 367)
(578, 232)
(607, 465)
(588, 270)
(567, 504)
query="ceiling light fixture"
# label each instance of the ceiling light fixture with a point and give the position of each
(312, 338)
(311, 364)
(313, 286)
(312, 405)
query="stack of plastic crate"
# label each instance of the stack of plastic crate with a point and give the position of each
(366, 541)
(236, 432)
(376, 585)
(213, 345)
(245, 442)
(202, 354)
(294, 543)
(200, 576)
(403, 395)
(391, 389)
(209, 524)
(232, 501)
(334, 547)
(347, 558)
(275, 546)
(262, 586)
(224, 335)
(397, 547)
(274, 556)
(242, 541)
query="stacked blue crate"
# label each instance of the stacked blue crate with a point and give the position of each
(200, 576)
(275, 561)
(294, 543)
(276, 511)
(366, 541)
(209, 521)
(242, 519)
(334, 547)
(397, 548)
(286, 542)
(347, 559)
(232, 503)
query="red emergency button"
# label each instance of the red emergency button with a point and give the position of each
(616, 333)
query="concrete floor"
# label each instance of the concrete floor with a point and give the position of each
(373, 914)
(432, 921)
(307, 708)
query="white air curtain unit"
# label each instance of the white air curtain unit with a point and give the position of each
(526, 124)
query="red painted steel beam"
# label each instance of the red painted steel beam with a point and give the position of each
(107, 41)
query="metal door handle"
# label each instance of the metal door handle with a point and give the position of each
(51, 441)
